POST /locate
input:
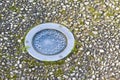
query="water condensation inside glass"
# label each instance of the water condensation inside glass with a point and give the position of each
(49, 42)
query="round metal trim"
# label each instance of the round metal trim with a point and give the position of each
(34, 53)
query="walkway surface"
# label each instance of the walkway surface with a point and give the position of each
(94, 23)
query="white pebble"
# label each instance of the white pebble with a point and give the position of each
(86, 3)
(5, 38)
(88, 52)
(94, 32)
(78, 63)
(75, 0)
(5, 47)
(20, 65)
(19, 40)
(117, 8)
(101, 50)
(30, 0)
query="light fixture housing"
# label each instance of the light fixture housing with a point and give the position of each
(49, 42)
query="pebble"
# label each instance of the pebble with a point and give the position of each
(5, 38)
(5, 47)
(19, 40)
(73, 74)
(31, 0)
(94, 32)
(88, 52)
(74, 78)
(65, 76)
(101, 50)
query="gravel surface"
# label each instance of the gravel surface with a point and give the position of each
(94, 23)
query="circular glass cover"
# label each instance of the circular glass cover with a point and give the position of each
(49, 42)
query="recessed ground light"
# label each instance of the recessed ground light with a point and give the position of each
(49, 42)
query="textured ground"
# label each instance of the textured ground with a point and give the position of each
(94, 23)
